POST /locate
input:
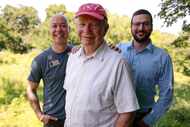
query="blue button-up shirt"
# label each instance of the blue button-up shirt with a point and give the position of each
(151, 67)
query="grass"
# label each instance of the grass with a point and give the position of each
(18, 114)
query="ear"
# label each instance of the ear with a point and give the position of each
(106, 27)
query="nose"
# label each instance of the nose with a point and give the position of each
(87, 28)
(58, 28)
(141, 26)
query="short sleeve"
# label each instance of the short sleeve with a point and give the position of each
(36, 72)
(124, 93)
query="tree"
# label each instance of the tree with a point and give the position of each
(54, 9)
(10, 41)
(119, 29)
(22, 19)
(171, 12)
(16, 23)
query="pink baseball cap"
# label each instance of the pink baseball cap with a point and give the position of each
(92, 9)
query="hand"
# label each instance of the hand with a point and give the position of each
(142, 124)
(112, 46)
(47, 118)
(75, 49)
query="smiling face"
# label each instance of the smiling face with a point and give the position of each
(90, 30)
(141, 28)
(59, 29)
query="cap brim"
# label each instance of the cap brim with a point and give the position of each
(99, 17)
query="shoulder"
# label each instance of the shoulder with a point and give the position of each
(161, 51)
(72, 59)
(42, 56)
(162, 55)
(115, 56)
(124, 45)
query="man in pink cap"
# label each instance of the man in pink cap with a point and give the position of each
(98, 82)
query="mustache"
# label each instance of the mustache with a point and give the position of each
(141, 31)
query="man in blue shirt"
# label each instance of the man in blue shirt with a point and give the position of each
(151, 67)
(50, 66)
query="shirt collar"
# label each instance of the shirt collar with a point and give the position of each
(149, 47)
(66, 50)
(98, 54)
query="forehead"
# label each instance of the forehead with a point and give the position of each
(87, 18)
(58, 19)
(141, 18)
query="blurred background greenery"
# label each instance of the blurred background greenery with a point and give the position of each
(23, 36)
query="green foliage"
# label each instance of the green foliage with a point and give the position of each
(179, 114)
(162, 38)
(182, 60)
(14, 109)
(40, 38)
(182, 41)
(119, 29)
(172, 10)
(9, 39)
(54, 9)
(15, 24)
(22, 19)
(11, 89)
(73, 38)
(18, 114)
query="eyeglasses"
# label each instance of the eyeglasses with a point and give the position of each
(145, 24)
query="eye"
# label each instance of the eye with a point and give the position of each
(63, 25)
(141, 23)
(137, 24)
(53, 25)
(95, 25)
(81, 24)
(146, 23)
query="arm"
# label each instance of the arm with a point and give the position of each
(125, 119)
(125, 97)
(165, 82)
(34, 101)
(33, 98)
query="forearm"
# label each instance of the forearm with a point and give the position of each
(34, 102)
(33, 99)
(125, 119)
(160, 107)
(158, 110)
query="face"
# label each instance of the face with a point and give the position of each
(90, 31)
(59, 29)
(141, 28)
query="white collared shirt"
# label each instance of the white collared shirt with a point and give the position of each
(98, 88)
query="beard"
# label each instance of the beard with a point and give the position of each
(141, 39)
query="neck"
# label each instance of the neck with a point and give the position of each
(59, 48)
(90, 49)
(140, 46)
